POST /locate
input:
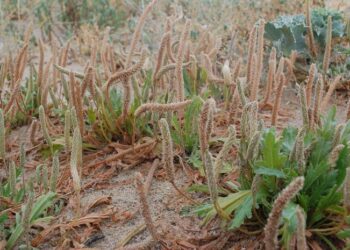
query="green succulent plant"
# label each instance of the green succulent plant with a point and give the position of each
(287, 33)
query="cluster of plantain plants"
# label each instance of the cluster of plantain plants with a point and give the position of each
(25, 201)
(267, 164)
(307, 166)
(68, 15)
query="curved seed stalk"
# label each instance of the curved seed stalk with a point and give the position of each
(271, 228)
(146, 211)
(301, 235)
(161, 108)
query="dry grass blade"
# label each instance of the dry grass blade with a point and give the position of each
(132, 150)
(92, 218)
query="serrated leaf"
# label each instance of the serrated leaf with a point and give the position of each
(244, 211)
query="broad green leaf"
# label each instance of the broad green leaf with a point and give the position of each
(244, 211)
(270, 172)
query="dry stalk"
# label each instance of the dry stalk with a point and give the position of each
(163, 70)
(137, 32)
(15, 93)
(43, 123)
(329, 93)
(237, 69)
(67, 71)
(205, 125)
(161, 108)
(310, 82)
(234, 106)
(76, 166)
(271, 228)
(45, 85)
(20, 62)
(33, 129)
(337, 135)
(88, 81)
(309, 29)
(259, 61)
(125, 74)
(64, 55)
(41, 64)
(160, 56)
(168, 45)
(301, 236)
(328, 49)
(240, 89)
(230, 140)
(317, 100)
(304, 107)
(167, 150)
(334, 155)
(251, 52)
(79, 108)
(168, 155)
(253, 146)
(212, 184)
(279, 70)
(271, 75)
(67, 127)
(72, 94)
(276, 105)
(252, 76)
(179, 60)
(146, 212)
(226, 72)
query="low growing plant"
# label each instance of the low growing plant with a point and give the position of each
(269, 162)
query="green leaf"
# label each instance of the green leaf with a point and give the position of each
(289, 223)
(344, 234)
(270, 172)
(3, 218)
(271, 151)
(91, 116)
(43, 202)
(205, 189)
(16, 234)
(341, 165)
(244, 211)
(229, 204)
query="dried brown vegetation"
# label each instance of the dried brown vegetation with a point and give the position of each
(196, 104)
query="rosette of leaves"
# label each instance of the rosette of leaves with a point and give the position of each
(249, 202)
